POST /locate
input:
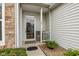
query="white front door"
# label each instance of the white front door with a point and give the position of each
(30, 28)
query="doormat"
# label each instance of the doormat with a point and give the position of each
(32, 48)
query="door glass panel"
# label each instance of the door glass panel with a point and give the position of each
(30, 28)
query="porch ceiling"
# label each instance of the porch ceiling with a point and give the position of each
(34, 7)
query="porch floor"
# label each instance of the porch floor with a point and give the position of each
(37, 52)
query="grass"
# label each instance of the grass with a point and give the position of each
(13, 52)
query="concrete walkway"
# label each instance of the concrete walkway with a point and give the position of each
(37, 52)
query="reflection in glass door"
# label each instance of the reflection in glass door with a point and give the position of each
(30, 27)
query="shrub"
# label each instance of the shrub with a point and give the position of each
(51, 44)
(13, 52)
(71, 52)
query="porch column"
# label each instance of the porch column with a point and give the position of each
(41, 17)
(50, 24)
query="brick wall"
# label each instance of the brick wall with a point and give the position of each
(9, 25)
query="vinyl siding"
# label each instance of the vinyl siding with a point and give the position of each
(65, 25)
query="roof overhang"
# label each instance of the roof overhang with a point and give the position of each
(35, 7)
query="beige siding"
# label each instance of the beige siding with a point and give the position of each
(65, 25)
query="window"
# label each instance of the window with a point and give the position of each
(0, 22)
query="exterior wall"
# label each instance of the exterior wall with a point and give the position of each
(9, 25)
(65, 25)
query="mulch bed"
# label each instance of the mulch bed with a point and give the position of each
(52, 52)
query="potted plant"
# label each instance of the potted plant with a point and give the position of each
(51, 44)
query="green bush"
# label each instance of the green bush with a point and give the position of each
(71, 52)
(51, 44)
(13, 52)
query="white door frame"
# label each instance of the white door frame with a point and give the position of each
(34, 30)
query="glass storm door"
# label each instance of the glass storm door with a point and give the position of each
(30, 28)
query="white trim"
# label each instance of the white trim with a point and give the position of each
(50, 24)
(41, 17)
(17, 25)
(3, 25)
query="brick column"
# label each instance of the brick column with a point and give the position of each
(9, 25)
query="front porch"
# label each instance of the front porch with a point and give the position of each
(34, 23)
(34, 26)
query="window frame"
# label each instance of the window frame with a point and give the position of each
(2, 42)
